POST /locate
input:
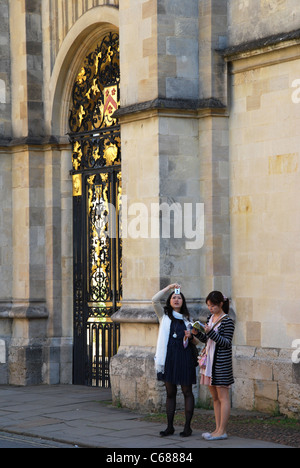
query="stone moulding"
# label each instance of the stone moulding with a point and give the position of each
(23, 310)
(133, 314)
(7, 142)
(262, 45)
(128, 314)
(181, 106)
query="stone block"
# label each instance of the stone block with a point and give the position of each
(253, 333)
(288, 399)
(181, 87)
(265, 405)
(3, 374)
(204, 397)
(181, 8)
(265, 390)
(253, 369)
(2, 352)
(243, 351)
(283, 370)
(133, 379)
(243, 393)
(149, 9)
(284, 163)
(17, 366)
(296, 373)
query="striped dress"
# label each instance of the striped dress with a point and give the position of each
(222, 372)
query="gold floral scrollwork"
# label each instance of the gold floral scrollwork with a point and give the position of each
(77, 185)
(96, 153)
(110, 154)
(77, 155)
(95, 93)
(90, 182)
(81, 78)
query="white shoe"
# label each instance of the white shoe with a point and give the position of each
(205, 434)
(210, 437)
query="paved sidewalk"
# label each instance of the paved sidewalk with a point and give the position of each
(84, 417)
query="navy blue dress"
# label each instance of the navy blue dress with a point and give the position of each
(179, 365)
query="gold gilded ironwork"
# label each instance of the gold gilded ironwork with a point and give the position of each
(96, 154)
(119, 244)
(81, 76)
(96, 97)
(99, 244)
(77, 185)
(77, 155)
(96, 88)
(110, 154)
(96, 146)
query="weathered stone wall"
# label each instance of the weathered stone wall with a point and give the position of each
(35, 343)
(64, 14)
(264, 148)
(264, 169)
(266, 380)
(246, 175)
(183, 141)
(254, 19)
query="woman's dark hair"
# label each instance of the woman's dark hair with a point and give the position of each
(169, 309)
(216, 298)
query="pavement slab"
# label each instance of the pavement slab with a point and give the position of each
(83, 416)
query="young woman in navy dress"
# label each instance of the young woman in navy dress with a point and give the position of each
(174, 362)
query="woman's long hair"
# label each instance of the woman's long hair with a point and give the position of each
(169, 309)
(216, 298)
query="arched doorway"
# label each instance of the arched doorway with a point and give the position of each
(97, 185)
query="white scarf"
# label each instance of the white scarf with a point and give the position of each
(163, 339)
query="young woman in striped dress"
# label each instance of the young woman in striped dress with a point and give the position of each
(218, 374)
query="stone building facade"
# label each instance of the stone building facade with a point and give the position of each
(209, 113)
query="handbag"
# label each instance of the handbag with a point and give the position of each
(202, 359)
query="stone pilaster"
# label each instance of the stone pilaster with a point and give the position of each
(33, 343)
(5, 75)
(214, 148)
(165, 127)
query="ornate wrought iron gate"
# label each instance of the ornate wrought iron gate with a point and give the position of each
(97, 186)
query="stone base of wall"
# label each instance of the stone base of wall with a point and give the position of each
(27, 355)
(57, 361)
(266, 380)
(36, 363)
(133, 380)
(134, 383)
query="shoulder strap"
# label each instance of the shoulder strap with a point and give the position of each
(214, 325)
(220, 320)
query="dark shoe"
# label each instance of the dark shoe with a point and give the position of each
(167, 432)
(186, 433)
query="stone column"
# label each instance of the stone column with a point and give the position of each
(161, 181)
(5, 186)
(25, 313)
(132, 373)
(28, 308)
(214, 147)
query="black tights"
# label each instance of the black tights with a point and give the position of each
(189, 404)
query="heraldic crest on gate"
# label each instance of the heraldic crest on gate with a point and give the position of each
(97, 187)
